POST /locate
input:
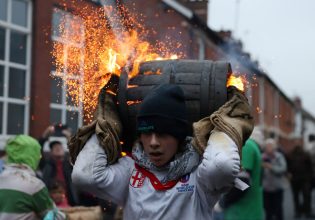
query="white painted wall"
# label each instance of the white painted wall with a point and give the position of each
(309, 127)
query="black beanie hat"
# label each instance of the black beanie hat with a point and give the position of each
(163, 111)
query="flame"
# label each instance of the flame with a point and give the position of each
(133, 102)
(112, 65)
(158, 72)
(131, 86)
(91, 50)
(237, 81)
(258, 110)
(111, 92)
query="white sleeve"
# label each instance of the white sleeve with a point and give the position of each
(220, 164)
(91, 173)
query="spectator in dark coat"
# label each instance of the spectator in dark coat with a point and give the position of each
(300, 172)
(58, 168)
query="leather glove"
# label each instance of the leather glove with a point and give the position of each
(106, 126)
(233, 118)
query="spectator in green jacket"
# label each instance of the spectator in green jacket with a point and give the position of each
(22, 194)
(247, 204)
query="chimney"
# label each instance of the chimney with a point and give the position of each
(199, 7)
(297, 102)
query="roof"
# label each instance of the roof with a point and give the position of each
(307, 115)
(195, 20)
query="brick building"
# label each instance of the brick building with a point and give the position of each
(30, 100)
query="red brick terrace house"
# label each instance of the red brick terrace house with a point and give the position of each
(272, 109)
(30, 99)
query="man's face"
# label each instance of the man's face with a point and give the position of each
(269, 149)
(57, 151)
(160, 148)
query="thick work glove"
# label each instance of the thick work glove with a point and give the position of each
(107, 125)
(233, 118)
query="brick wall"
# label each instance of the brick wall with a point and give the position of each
(41, 62)
(41, 66)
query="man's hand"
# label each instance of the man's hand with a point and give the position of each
(266, 165)
(106, 126)
(48, 131)
(78, 140)
(107, 104)
(233, 118)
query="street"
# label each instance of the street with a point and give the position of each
(288, 206)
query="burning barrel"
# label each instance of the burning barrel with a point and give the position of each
(203, 83)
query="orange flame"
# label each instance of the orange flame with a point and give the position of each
(133, 102)
(158, 72)
(112, 65)
(111, 92)
(90, 51)
(131, 86)
(237, 81)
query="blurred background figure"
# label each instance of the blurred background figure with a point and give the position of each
(22, 194)
(248, 204)
(55, 171)
(1, 164)
(58, 194)
(58, 132)
(312, 153)
(274, 170)
(300, 174)
(57, 168)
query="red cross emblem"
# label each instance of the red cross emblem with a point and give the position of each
(136, 179)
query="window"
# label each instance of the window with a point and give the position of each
(1, 81)
(63, 109)
(19, 12)
(15, 53)
(99, 2)
(2, 43)
(18, 47)
(3, 10)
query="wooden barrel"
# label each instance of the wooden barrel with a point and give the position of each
(203, 83)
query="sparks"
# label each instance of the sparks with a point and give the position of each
(91, 51)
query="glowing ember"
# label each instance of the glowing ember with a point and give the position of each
(111, 92)
(153, 72)
(258, 110)
(131, 86)
(237, 81)
(90, 51)
(133, 102)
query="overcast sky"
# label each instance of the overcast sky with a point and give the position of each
(280, 34)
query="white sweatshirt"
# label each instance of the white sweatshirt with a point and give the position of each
(193, 196)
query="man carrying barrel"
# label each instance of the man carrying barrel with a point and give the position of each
(170, 175)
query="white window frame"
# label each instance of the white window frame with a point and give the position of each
(5, 100)
(63, 106)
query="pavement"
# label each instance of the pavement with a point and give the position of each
(288, 206)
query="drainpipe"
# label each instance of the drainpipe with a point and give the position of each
(262, 102)
(201, 44)
(277, 114)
